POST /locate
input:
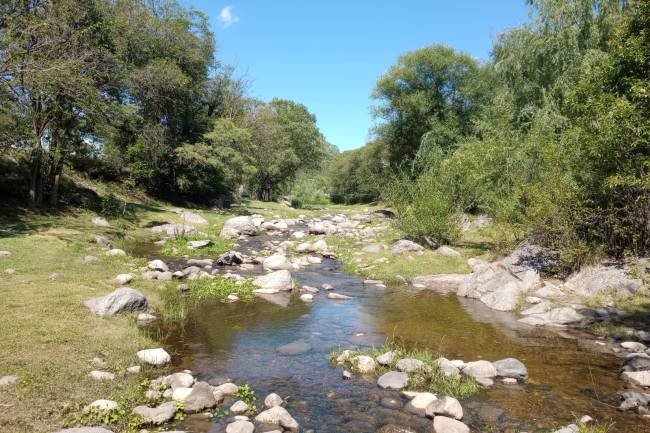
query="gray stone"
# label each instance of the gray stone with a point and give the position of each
(387, 358)
(157, 415)
(405, 246)
(103, 405)
(539, 308)
(5, 253)
(155, 357)
(447, 251)
(391, 403)
(633, 346)
(442, 283)
(410, 365)
(119, 301)
(447, 367)
(595, 280)
(240, 427)
(101, 375)
(443, 424)
(365, 364)
(116, 252)
(101, 222)
(239, 407)
(275, 281)
(419, 403)
(639, 378)
(90, 259)
(556, 317)
(193, 218)
(393, 380)
(504, 298)
(278, 416)
(227, 388)
(158, 265)
(241, 225)
(480, 369)
(445, 406)
(195, 245)
(174, 230)
(511, 367)
(103, 241)
(179, 380)
(571, 428)
(277, 262)
(273, 400)
(124, 278)
(200, 398)
(637, 362)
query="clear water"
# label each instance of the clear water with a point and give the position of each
(239, 341)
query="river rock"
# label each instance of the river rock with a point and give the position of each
(633, 346)
(278, 416)
(393, 380)
(179, 380)
(90, 259)
(277, 262)
(571, 428)
(419, 403)
(278, 281)
(594, 280)
(239, 407)
(338, 296)
(240, 427)
(158, 265)
(200, 398)
(387, 358)
(447, 251)
(297, 347)
(480, 369)
(241, 225)
(155, 357)
(445, 406)
(539, 308)
(85, 430)
(227, 388)
(124, 278)
(448, 368)
(193, 218)
(637, 362)
(103, 241)
(100, 221)
(157, 415)
(195, 245)
(405, 246)
(443, 424)
(119, 301)
(443, 283)
(5, 253)
(273, 400)
(639, 378)
(103, 405)
(410, 365)
(173, 229)
(511, 367)
(556, 317)
(101, 375)
(365, 364)
(307, 297)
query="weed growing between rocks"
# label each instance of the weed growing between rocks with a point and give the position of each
(430, 378)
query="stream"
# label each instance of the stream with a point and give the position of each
(568, 376)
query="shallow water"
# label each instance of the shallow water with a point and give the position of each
(239, 341)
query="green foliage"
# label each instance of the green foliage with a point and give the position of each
(111, 206)
(246, 394)
(308, 189)
(357, 176)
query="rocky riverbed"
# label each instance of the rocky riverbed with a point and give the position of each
(307, 307)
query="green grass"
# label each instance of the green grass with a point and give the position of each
(178, 246)
(431, 379)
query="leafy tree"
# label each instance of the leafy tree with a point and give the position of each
(432, 91)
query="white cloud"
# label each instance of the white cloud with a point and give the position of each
(227, 17)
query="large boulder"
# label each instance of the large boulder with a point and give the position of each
(174, 230)
(405, 246)
(442, 283)
(277, 262)
(511, 367)
(119, 301)
(595, 280)
(241, 225)
(275, 281)
(157, 415)
(278, 416)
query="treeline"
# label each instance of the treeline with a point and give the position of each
(131, 91)
(551, 137)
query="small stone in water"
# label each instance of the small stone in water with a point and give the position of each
(347, 374)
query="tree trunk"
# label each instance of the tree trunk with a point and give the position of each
(57, 168)
(36, 181)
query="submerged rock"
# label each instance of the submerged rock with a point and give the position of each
(511, 367)
(119, 301)
(278, 416)
(338, 296)
(277, 281)
(443, 283)
(297, 347)
(556, 317)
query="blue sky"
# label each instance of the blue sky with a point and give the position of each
(328, 54)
